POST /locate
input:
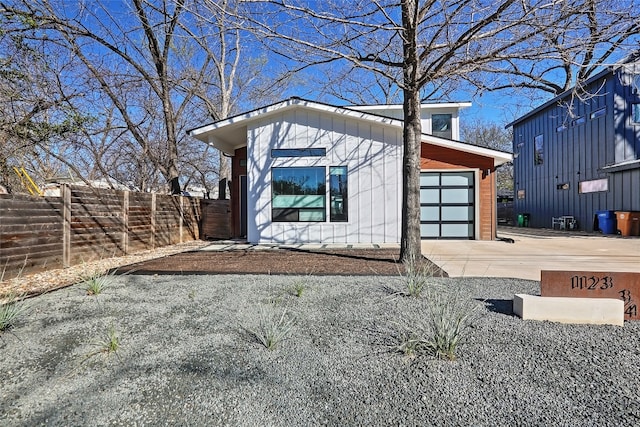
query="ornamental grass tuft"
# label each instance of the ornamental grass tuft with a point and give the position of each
(11, 310)
(273, 328)
(439, 330)
(96, 282)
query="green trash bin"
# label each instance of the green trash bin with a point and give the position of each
(523, 220)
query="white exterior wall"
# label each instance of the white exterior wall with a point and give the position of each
(372, 154)
(396, 112)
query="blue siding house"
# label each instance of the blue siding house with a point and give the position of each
(576, 155)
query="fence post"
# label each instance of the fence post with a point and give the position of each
(153, 220)
(66, 226)
(181, 216)
(125, 222)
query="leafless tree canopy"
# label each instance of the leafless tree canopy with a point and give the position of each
(433, 49)
(121, 83)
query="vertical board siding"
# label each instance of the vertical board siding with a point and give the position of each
(360, 146)
(37, 233)
(215, 219)
(579, 153)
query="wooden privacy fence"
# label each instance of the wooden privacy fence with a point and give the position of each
(86, 224)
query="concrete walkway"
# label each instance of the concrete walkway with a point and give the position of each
(236, 246)
(532, 251)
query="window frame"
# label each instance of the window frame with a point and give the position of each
(600, 112)
(635, 113)
(277, 153)
(538, 150)
(448, 134)
(598, 185)
(292, 213)
(580, 120)
(343, 216)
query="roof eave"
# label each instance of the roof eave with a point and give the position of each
(499, 157)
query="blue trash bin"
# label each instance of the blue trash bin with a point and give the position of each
(607, 222)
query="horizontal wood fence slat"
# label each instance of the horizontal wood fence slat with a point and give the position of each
(85, 224)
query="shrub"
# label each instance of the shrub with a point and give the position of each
(298, 288)
(450, 315)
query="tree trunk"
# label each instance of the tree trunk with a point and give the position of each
(174, 184)
(410, 243)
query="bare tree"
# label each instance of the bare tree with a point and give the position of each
(36, 116)
(233, 75)
(148, 71)
(107, 45)
(431, 49)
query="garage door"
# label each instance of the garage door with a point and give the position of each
(447, 208)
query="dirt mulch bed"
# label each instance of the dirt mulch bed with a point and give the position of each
(349, 262)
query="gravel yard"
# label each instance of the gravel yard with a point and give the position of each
(186, 358)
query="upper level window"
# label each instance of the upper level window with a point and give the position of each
(298, 152)
(593, 186)
(578, 121)
(441, 125)
(298, 194)
(538, 150)
(598, 113)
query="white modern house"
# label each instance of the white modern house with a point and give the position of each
(304, 171)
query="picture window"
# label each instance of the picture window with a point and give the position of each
(298, 194)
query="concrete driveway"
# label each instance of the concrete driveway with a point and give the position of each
(532, 251)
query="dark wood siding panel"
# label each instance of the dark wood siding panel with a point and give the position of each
(167, 221)
(138, 223)
(216, 219)
(433, 157)
(191, 219)
(97, 227)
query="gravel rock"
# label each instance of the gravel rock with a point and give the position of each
(187, 357)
